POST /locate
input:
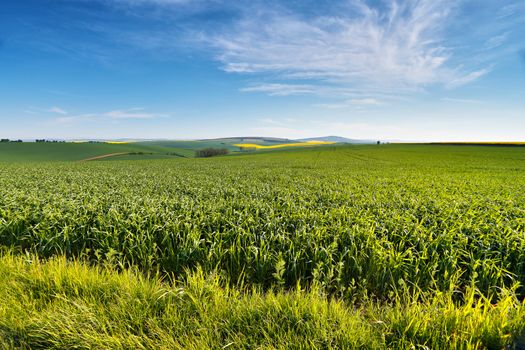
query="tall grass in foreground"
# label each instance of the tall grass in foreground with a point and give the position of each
(68, 305)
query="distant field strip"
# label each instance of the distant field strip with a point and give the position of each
(480, 143)
(80, 151)
(107, 142)
(118, 142)
(283, 145)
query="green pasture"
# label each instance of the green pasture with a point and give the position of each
(72, 151)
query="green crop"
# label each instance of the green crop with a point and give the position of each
(385, 225)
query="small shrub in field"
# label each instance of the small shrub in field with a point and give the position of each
(211, 152)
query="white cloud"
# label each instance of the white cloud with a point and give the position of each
(37, 110)
(399, 48)
(281, 89)
(152, 2)
(385, 46)
(332, 105)
(57, 110)
(133, 113)
(461, 100)
(467, 78)
(356, 96)
(115, 115)
(359, 103)
(75, 118)
(388, 46)
(365, 102)
(496, 41)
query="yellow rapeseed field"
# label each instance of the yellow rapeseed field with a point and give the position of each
(295, 144)
(117, 142)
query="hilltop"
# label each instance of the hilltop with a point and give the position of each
(338, 139)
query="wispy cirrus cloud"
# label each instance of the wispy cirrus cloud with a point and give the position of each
(281, 89)
(468, 78)
(390, 46)
(53, 110)
(400, 46)
(366, 102)
(332, 105)
(461, 100)
(134, 113)
(57, 110)
(385, 46)
(355, 103)
(114, 115)
(156, 2)
(351, 96)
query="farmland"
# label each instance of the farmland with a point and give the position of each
(283, 145)
(77, 151)
(392, 246)
(121, 150)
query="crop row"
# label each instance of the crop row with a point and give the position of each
(355, 221)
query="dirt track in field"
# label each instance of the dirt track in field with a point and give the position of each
(104, 156)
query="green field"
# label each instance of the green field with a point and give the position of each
(59, 151)
(73, 151)
(379, 247)
(227, 143)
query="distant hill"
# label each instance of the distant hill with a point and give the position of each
(273, 140)
(337, 139)
(76, 151)
(250, 139)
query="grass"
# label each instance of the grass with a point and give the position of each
(80, 150)
(499, 143)
(392, 246)
(64, 305)
(76, 151)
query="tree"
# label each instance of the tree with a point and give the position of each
(211, 152)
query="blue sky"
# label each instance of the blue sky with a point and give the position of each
(417, 70)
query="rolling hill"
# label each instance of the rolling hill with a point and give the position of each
(337, 139)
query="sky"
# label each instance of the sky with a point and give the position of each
(411, 70)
